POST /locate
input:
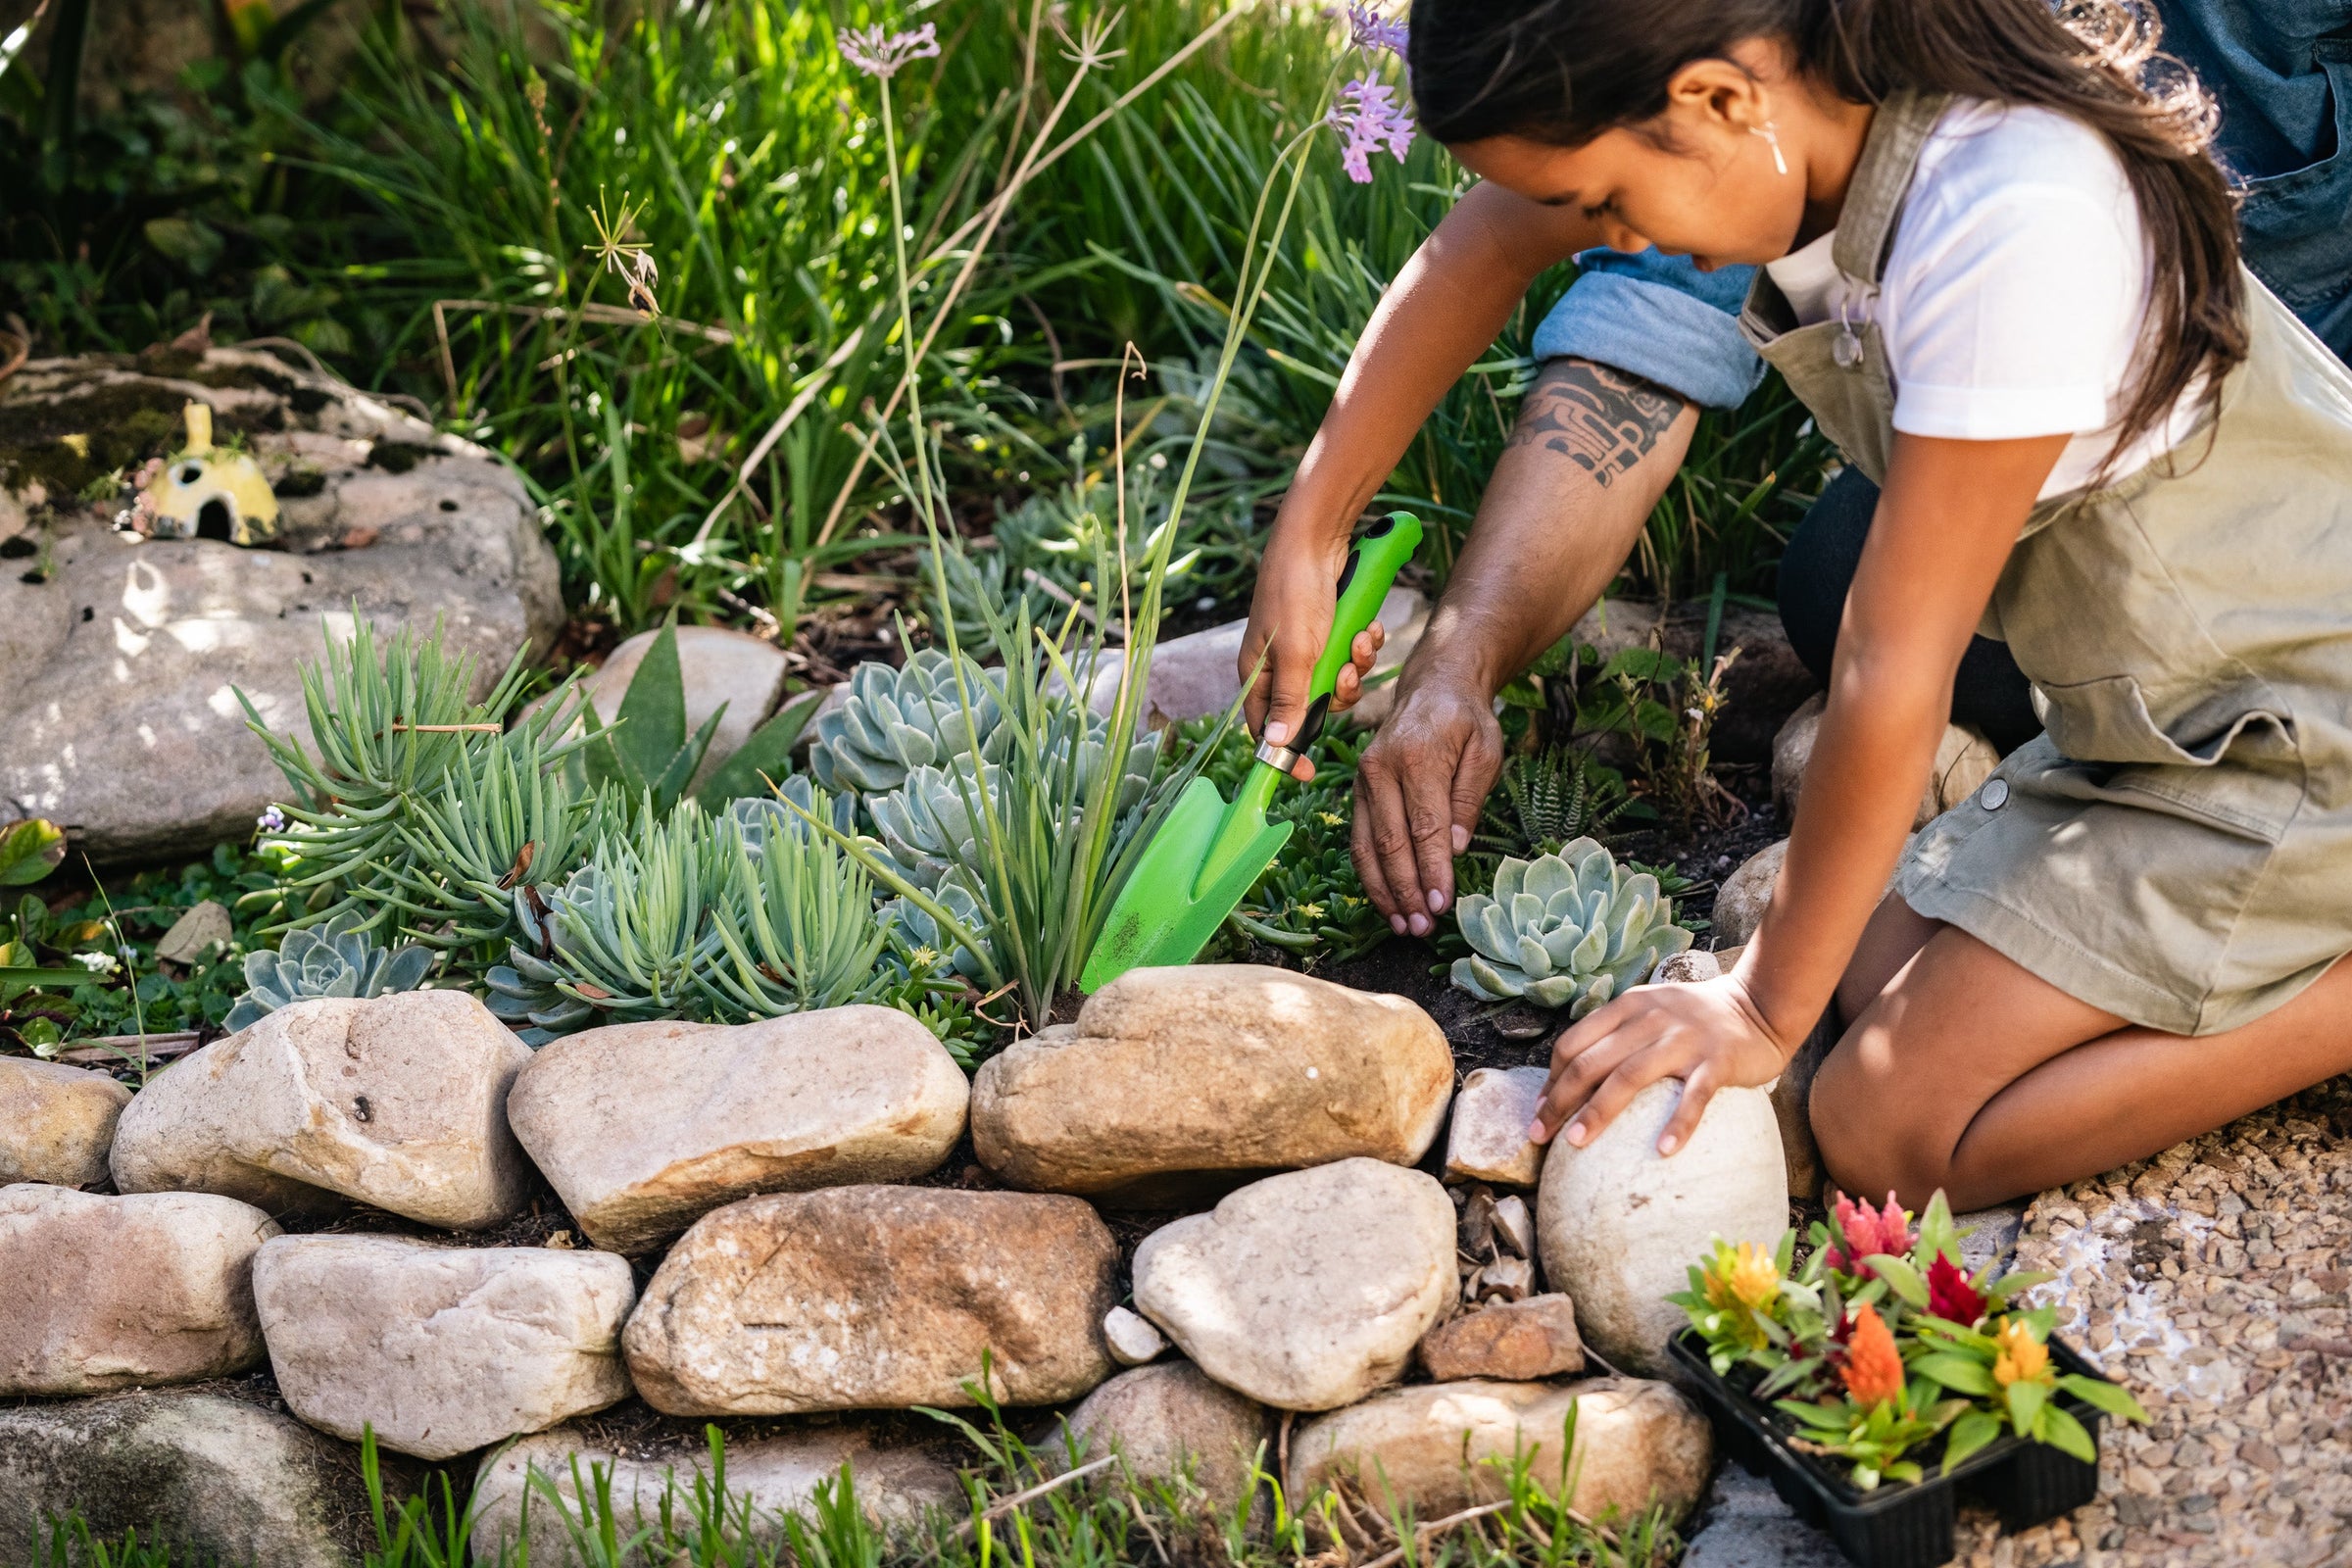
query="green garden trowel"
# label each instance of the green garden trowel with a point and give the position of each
(1206, 855)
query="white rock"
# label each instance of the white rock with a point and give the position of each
(1514, 1226)
(1439, 1447)
(776, 1476)
(399, 1102)
(1172, 1075)
(642, 1128)
(1687, 967)
(1132, 1339)
(1619, 1225)
(1172, 1420)
(442, 1350)
(1488, 1140)
(57, 1123)
(110, 1293)
(1305, 1291)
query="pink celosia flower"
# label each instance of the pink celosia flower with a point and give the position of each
(1867, 1232)
(1369, 118)
(877, 55)
(1368, 30)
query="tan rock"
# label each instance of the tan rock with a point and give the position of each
(1619, 1224)
(1174, 1420)
(1486, 1141)
(1516, 1342)
(1220, 1068)
(1440, 1448)
(876, 1297)
(776, 1476)
(642, 1128)
(1964, 759)
(109, 1292)
(442, 1350)
(56, 1122)
(399, 1102)
(1747, 893)
(1132, 1339)
(1305, 1291)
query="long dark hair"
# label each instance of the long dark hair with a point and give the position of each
(1561, 72)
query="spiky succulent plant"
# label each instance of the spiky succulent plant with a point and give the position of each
(897, 720)
(1566, 930)
(334, 960)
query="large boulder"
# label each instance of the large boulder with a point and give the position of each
(441, 1349)
(57, 1123)
(642, 1128)
(1439, 1447)
(399, 1102)
(1619, 1224)
(876, 1297)
(1210, 1070)
(1310, 1290)
(215, 1479)
(1173, 1420)
(120, 659)
(110, 1293)
(774, 1476)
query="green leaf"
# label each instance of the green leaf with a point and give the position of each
(1901, 1277)
(1958, 1373)
(22, 975)
(2102, 1394)
(650, 726)
(2064, 1433)
(1968, 1434)
(2026, 1399)
(671, 783)
(764, 759)
(189, 241)
(30, 850)
(2009, 1285)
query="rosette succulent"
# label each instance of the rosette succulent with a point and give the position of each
(333, 959)
(931, 953)
(934, 823)
(897, 720)
(1566, 930)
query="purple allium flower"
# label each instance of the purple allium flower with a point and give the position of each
(877, 55)
(1368, 116)
(1367, 29)
(273, 820)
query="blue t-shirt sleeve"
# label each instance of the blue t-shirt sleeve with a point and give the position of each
(1659, 318)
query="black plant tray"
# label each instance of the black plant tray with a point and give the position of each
(1902, 1524)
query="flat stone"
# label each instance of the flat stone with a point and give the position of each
(776, 1476)
(120, 666)
(1486, 1141)
(442, 1350)
(1619, 1225)
(399, 1102)
(1172, 1075)
(110, 1293)
(1439, 1447)
(876, 1297)
(1132, 1339)
(1305, 1291)
(198, 935)
(1514, 1342)
(1990, 1236)
(1173, 1420)
(715, 665)
(57, 1123)
(215, 1479)
(642, 1128)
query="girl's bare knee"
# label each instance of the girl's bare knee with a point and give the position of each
(1868, 1147)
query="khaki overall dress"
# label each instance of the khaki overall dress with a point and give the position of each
(2177, 848)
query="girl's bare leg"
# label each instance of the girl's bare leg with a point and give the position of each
(1968, 1074)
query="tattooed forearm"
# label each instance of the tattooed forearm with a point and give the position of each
(1603, 421)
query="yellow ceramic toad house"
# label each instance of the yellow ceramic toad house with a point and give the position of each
(205, 493)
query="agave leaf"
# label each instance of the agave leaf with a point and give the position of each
(651, 724)
(764, 757)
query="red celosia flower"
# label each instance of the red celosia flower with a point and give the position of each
(1874, 1368)
(1950, 1296)
(1867, 1232)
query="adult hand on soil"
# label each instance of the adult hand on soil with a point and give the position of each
(1710, 1034)
(1289, 618)
(1418, 788)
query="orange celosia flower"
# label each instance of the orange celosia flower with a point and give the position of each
(2022, 1358)
(1874, 1368)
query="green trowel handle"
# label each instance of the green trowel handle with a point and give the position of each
(1373, 562)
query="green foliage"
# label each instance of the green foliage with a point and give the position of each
(338, 959)
(30, 848)
(1550, 798)
(1566, 930)
(646, 753)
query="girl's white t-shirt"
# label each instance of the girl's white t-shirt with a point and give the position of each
(2013, 296)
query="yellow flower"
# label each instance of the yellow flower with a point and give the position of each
(1311, 911)
(2021, 1357)
(1745, 1276)
(1332, 818)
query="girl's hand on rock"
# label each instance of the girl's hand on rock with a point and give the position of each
(1710, 1034)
